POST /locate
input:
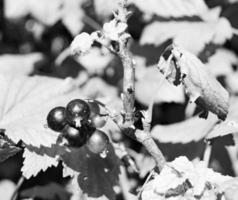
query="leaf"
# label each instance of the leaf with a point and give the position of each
(232, 1)
(171, 8)
(221, 62)
(15, 9)
(7, 149)
(104, 8)
(229, 126)
(147, 87)
(72, 15)
(202, 88)
(34, 162)
(184, 180)
(98, 88)
(19, 64)
(95, 61)
(49, 12)
(183, 33)
(96, 176)
(145, 163)
(231, 81)
(50, 191)
(25, 103)
(223, 129)
(193, 129)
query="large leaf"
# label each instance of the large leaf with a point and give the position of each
(161, 8)
(171, 8)
(25, 103)
(98, 88)
(180, 66)
(183, 33)
(232, 82)
(96, 175)
(147, 88)
(95, 61)
(193, 129)
(220, 64)
(19, 64)
(49, 12)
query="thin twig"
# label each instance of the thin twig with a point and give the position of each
(146, 139)
(207, 154)
(146, 181)
(19, 184)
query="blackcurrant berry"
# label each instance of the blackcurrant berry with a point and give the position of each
(98, 142)
(56, 119)
(98, 121)
(77, 110)
(94, 108)
(116, 136)
(76, 137)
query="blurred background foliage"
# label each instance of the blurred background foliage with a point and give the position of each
(36, 29)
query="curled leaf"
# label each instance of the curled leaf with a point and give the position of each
(181, 67)
(193, 129)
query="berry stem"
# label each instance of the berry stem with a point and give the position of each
(207, 154)
(19, 184)
(145, 138)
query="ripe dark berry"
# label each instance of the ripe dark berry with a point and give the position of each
(116, 136)
(77, 110)
(56, 119)
(98, 142)
(76, 137)
(94, 108)
(98, 121)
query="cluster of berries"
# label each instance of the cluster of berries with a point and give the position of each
(79, 123)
